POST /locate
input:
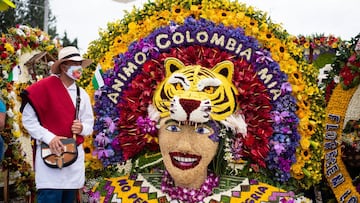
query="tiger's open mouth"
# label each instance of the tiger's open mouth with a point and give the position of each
(184, 161)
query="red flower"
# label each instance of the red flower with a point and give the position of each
(354, 61)
(4, 55)
(348, 75)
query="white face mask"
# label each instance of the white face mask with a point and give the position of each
(74, 72)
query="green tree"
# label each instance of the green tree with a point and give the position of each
(34, 17)
(67, 42)
(12, 17)
(31, 13)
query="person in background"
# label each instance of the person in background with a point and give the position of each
(48, 114)
(2, 125)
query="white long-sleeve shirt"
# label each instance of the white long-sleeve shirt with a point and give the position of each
(70, 177)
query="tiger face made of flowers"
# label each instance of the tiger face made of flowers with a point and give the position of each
(196, 94)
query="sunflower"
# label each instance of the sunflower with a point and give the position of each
(296, 170)
(304, 143)
(195, 10)
(303, 108)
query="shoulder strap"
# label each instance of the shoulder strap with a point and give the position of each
(77, 107)
(78, 99)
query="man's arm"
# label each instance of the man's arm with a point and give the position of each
(2, 115)
(32, 125)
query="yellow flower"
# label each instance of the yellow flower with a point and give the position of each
(288, 67)
(297, 79)
(96, 164)
(278, 48)
(296, 171)
(304, 143)
(303, 107)
(306, 154)
(9, 48)
(164, 14)
(195, 10)
(176, 11)
(306, 127)
(16, 134)
(334, 45)
(213, 15)
(317, 41)
(49, 47)
(132, 26)
(311, 90)
(228, 18)
(306, 45)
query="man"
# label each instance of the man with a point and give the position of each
(48, 114)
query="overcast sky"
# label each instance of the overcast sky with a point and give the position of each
(82, 19)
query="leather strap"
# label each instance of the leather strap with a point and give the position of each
(78, 99)
(77, 106)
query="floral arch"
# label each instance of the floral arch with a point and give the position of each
(287, 116)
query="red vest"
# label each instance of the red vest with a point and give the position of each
(53, 106)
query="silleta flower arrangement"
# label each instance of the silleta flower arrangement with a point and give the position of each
(16, 42)
(278, 92)
(341, 160)
(318, 44)
(345, 67)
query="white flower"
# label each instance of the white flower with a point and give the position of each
(303, 199)
(16, 127)
(236, 123)
(153, 113)
(10, 113)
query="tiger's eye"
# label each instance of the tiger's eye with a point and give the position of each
(209, 89)
(178, 86)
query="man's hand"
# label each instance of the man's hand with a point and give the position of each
(76, 127)
(56, 145)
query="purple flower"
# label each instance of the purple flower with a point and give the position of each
(262, 58)
(278, 147)
(173, 26)
(284, 164)
(189, 194)
(102, 140)
(94, 197)
(146, 125)
(236, 148)
(115, 144)
(101, 153)
(279, 117)
(110, 124)
(149, 48)
(286, 87)
(216, 135)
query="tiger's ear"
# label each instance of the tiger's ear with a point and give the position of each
(171, 65)
(224, 68)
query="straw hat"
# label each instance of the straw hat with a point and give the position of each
(69, 53)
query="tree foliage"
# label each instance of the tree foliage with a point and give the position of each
(67, 42)
(31, 13)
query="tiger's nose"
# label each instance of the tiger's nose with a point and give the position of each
(189, 105)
